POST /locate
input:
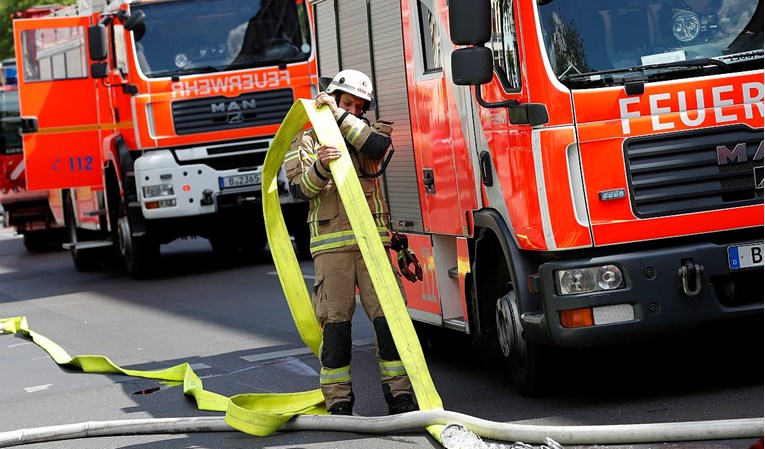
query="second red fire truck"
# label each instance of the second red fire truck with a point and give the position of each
(149, 121)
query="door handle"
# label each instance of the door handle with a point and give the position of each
(429, 180)
(28, 125)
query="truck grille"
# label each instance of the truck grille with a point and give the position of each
(221, 113)
(681, 173)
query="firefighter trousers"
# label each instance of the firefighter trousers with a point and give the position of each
(334, 301)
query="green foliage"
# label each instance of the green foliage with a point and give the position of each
(8, 7)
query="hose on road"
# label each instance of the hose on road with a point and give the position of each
(604, 434)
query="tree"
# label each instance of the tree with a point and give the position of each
(8, 7)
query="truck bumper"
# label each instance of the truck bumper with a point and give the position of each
(196, 189)
(653, 302)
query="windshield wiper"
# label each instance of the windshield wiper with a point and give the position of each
(743, 56)
(693, 63)
(188, 71)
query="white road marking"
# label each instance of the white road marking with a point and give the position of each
(364, 342)
(196, 366)
(37, 388)
(299, 351)
(20, 344)
(276, 355)
(307, 276)
(297, 367)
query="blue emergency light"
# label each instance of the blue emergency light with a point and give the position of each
(10, 74)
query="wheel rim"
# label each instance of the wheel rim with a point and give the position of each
(509, 331)
(123, 235)
(71, 227)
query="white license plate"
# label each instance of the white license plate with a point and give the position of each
(745, 256)
(245, 180)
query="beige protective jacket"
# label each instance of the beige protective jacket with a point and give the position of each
(329, 224)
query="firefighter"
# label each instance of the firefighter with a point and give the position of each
(338, 264)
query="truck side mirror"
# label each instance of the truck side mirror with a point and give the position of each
(135, 23)
(99, 70)
(470, 21)
(98, 47)
(135, 20)
(472, 66)
(533, 114)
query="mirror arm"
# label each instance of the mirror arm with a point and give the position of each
(501, 104)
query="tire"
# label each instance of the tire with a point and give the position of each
(140, 253)
(239, 245)
(298, 227)
(524, 360)
(35, 241)
(84, 260)
(302, 236)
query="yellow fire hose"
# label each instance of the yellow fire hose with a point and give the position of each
(262, 414)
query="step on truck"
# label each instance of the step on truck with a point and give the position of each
(569, 173)
(149, 121)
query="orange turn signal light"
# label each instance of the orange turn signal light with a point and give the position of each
(576, 318)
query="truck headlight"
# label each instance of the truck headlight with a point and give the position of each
(158, 190)
(589, 279)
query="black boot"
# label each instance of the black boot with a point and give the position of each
(401, 404)
(341, 408)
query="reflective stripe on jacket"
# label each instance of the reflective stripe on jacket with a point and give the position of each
(329, 224)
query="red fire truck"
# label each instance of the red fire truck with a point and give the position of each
(27, 211)
(149, 120)
(579, 174)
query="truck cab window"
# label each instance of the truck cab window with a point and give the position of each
(617, 36)
(430, 39)
(53, 53)
(120, 54)
(214, 35)
(504, 44)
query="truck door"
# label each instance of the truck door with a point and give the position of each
(60, 120)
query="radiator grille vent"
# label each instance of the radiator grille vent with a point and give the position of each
(221, 113)
(681, 173)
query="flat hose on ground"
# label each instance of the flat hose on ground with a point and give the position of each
(407, 422)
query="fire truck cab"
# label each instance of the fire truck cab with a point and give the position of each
(150, 120)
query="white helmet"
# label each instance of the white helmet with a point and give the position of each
(354, 83)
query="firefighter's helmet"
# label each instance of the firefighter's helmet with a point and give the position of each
(355, 83)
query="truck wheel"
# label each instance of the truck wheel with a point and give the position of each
(523, 359)
(302, 235)
(83, 260)
(35, 241)
(295, 218)
(139, 253)
(239, 246)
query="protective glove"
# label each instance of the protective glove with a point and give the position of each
(406, 257)
(383, 126)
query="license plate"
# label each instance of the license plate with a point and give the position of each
(245, 180)
(745, 256)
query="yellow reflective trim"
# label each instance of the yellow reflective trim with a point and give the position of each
(292, 155)
(392, 368)
(309, 184)
(335, 375)
(354, 132)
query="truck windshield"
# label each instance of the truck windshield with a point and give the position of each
(10, 122)
(200, 36)
(650, 38)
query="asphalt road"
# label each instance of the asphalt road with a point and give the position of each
(231, 323)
